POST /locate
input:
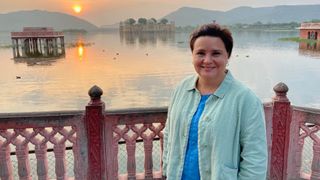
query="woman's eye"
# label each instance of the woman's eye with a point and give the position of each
(216, 54)
(200, 53)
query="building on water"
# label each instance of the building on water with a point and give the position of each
(38, 42)
(310, 31)
(148, 27)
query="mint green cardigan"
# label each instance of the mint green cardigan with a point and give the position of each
(231, 136)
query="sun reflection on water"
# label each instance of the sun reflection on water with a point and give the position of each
(80, 50)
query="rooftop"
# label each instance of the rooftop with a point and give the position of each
(310, 26)
(37, 32)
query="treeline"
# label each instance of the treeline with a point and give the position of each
(82, 31)
(265, 26)
(145, 21)
(255, 26)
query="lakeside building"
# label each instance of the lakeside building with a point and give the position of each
(149, 27)
(310, 31)
(38, 42)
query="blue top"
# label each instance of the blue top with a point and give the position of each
(191, 163)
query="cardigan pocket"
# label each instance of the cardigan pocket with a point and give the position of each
(229, 173)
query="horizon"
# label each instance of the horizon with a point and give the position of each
(102, 12)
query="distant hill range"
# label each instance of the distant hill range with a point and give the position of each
(245, 15)
(184, 16)
(15, 21)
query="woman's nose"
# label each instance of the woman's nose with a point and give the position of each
(207, 58)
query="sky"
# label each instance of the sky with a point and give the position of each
(106, 12)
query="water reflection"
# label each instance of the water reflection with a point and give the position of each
(39, 61)
(146, 39)
(309, 49)
(135, 79)
(80, 50)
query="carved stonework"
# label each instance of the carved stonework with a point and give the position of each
(5, 162)
(23, 162)
(59, 153)
(23, 138)
(42, 162)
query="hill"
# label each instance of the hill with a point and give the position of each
(245, 15)
(15, 21)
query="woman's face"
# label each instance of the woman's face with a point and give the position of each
(210, 57)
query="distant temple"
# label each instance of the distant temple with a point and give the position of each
(310, 31)
(124, 27)
(37, 42)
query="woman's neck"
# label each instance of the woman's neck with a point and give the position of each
(209, 86)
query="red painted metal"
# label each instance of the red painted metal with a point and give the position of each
(281, 120)
(94, 126)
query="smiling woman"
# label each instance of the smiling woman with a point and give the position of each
(77, 8)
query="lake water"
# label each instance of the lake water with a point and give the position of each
(147, 68)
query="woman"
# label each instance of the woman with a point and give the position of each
(215, 127)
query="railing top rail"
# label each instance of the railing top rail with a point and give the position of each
(136, 110)
(306, 109)
(40, 114)
(40, 119)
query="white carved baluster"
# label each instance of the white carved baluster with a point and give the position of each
(131, 162)
(23, 161)
(5, 163)
(73, 138)
(298, 156)
(315, 168)
(59, 153)
(42, 162)
(131, 151)
(115, 159)
(299, 148)
(76, 162)
(148, 164)
(118, 134)
(148, 145)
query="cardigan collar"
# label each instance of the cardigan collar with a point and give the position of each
(222, 89)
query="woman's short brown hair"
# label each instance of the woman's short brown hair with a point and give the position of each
(213, 30)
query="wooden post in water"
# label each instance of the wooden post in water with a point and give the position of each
(281, 120)
(94, 123)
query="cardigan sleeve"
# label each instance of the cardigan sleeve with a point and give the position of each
(166, 138)
(165, 147)
(253, 141)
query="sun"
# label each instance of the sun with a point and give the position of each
(77, 8)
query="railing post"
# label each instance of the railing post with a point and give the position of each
(281, 120)
(94, 123)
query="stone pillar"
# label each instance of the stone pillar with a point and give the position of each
(23, 48)
(40, 45)
(281, 120)
(94, 124)
(14, 48)
(55, 47)
(17, 43)
(62, 45)
(46, 47)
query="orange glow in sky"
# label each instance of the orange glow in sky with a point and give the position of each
(77, 8)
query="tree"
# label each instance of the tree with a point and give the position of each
(152, 20)
(130, 21)
(259, 23)
(164, 21)
(142, 21)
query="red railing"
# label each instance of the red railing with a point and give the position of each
(96, 137)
